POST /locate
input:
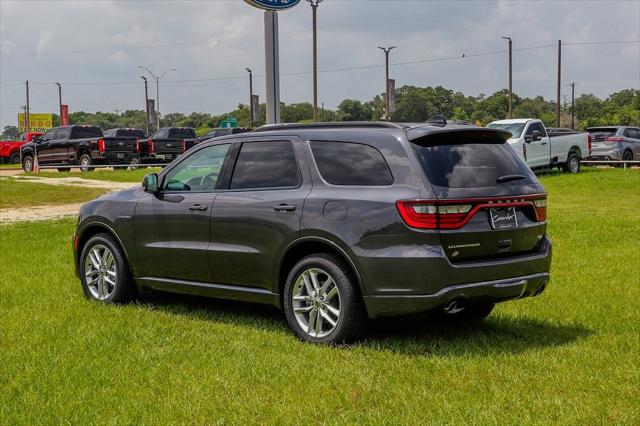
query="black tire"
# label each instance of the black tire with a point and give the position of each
(27, 164)
(473, 313)
(124, 290)
(627, 156)
(14, 158)
(573, 163)
(352, 319)
(85, 163)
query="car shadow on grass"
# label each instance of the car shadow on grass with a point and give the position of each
(424, 335)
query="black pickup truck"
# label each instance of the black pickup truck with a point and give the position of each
(82, 146)
(166, 144)
(216, 133)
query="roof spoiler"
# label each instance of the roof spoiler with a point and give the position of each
(427, 135)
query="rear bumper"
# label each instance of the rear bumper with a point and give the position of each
(116, 157)
(161, 157)
(604, 155)
(487, 291)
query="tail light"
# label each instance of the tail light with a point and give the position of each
(590, 139)
(101, 145)
(612, 140)
(184, 146)
(150, 146)
(137, 145)
(454, 214)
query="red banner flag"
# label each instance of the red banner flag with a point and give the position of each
(64, 115)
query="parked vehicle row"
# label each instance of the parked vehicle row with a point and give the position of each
(615, 143)
(10, 150)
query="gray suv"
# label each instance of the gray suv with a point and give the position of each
(615, 143)
(334, 223)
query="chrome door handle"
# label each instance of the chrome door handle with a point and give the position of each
(284, 208)
(198, 207)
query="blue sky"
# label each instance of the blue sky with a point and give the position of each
(94, 47)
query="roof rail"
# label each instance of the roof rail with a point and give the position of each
(331, 125)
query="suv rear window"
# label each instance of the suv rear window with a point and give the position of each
(86, 132)
(135, 133)
(182, 133)
(471, 165)
(342, 163)
(269, 164)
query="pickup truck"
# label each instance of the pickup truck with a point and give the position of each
(10, 150)
(166, 144)
(82, 146)
(216, 133)
(542, 151)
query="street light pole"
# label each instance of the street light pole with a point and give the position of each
(573, 115)
(59, 101)
(146, 104)
(510, 77)
(386, 82)
(314, 7)
(27, 124)
(250, 95)
(157, 79)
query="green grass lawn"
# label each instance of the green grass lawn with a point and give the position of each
(135, 175)
(22, 194)
(570, 356)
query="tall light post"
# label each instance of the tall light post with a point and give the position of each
(157, 79)
(386, 81)
(146, 103)
(250, 95)
(314, 7)
(59, 101)
(510, 76)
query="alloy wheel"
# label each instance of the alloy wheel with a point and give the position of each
(316, 302)
(574, 164)
(101, 272)
(84, 164)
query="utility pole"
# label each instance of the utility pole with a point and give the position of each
(510, 76)
(157, 79)
(573, 115)
(59, 101)
(250, 95)
(27, 125)
(323, 111)
(314, 7)
(559, 79)
(146, 104)
(386, 81)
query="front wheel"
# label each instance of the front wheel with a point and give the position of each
(85, 163)
(573, 163)
(322, 302)
(104, 272)
(27, 163)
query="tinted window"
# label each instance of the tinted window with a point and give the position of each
(182, 133)
(131, 133)
(62, 133)
(197, 172)
(159, 134)
(50, 135)
(471, 164)
(536, 126)
(633, 133)
(86, 132)
(351, 164)
(209, 134)
(514, 128)
(110, 132)
(265, 165)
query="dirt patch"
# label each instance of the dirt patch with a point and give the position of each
(39, 213)
(74, 181)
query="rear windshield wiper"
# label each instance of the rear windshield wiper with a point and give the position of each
(507, 178)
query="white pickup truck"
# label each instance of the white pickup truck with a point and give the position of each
(539, 150)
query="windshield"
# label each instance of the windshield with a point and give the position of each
(514, 128)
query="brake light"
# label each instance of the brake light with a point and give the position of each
(137, 145)
(101, 145)
(184, 146)
(150, 146)
(590, 138)
(454, 214)
(613, 140)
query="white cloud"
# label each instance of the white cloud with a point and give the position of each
(45, 37)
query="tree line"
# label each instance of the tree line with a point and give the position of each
(413, 104)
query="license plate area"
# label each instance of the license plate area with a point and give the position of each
(120, 155)
(503, 218)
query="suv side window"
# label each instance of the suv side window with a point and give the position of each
(343, 163)
(536, 126)
(198, 172)
(268, 164)
(50, 135)
(632, 133)
(63, 133)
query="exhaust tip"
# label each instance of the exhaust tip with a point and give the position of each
(454, 307)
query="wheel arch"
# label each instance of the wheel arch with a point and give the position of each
(303, 247)
(94, 228)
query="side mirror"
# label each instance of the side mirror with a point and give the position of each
(536, 135)
(36, 139)
(150, 183)
(528, 138)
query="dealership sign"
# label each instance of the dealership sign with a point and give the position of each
(37, 122)
(273, 4)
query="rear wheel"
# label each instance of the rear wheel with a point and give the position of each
(321, 301)
(573, 163)
(27, 163)
(85, 163)
(104, 272)
(627, 156)
(14, 158)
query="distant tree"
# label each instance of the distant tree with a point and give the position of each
(10, 133)
(352, 110)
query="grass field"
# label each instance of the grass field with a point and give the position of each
(570, 356)
(22, 194)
